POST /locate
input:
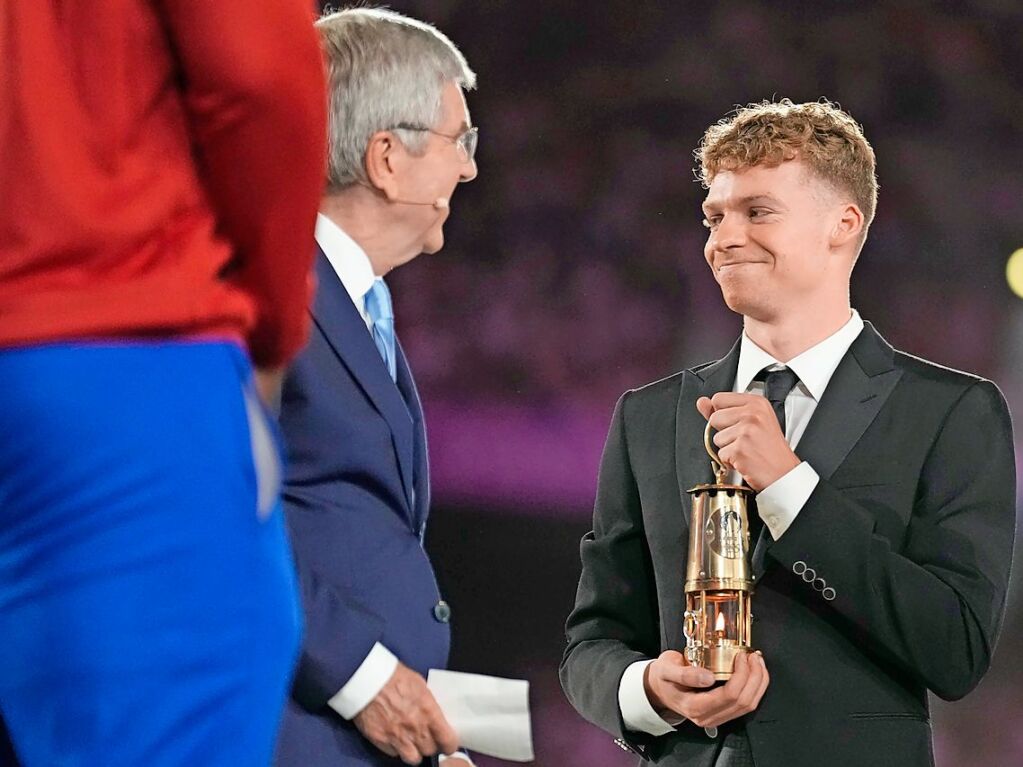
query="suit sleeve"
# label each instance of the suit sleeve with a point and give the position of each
(339, 632)
(255, 97)
(933, 606)
(614, 620)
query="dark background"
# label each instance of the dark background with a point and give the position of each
(573, 270)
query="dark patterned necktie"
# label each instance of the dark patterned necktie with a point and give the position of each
(777, 385)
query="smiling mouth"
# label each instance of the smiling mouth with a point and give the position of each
(734, 264)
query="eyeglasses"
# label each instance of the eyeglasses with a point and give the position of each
(466, 141)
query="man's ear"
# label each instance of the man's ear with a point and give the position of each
(849, 226)
(385, 156)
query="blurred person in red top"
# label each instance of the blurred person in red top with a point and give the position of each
(160, 169)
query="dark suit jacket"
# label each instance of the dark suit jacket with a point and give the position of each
(912, 525)
(356, 499)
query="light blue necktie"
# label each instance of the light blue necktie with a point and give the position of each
(381, 314)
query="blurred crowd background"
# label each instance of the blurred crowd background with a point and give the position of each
(573, 271)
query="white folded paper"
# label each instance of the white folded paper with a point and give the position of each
(490, 715)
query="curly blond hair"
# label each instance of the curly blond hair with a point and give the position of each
(819, 133)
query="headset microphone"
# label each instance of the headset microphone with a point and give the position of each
(441, 203)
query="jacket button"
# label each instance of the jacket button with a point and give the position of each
(819, 584)
(828, 593)
(809, 574)
(799, 567)
(442, 612)
(712, 732)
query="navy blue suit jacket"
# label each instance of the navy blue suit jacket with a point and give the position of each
(356, 500)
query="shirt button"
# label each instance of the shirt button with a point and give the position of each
(442, 612)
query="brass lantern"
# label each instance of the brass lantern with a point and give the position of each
(719, 581)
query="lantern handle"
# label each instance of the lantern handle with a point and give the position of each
(719, 469)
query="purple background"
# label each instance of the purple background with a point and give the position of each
(573, 270)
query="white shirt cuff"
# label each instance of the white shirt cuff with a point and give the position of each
(780, 502)
(637, 713)
(458, 754)
(366, 683)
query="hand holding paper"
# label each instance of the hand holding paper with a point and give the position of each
(404, 720)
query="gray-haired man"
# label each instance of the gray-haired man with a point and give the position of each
(357, 492)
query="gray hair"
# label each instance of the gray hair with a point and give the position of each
(383, 69)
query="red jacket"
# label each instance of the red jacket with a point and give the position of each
(161, 163)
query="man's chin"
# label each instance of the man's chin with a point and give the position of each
(743, 302)
(434, 243)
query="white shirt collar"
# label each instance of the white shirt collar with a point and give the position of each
(350, 262)
(814, 367)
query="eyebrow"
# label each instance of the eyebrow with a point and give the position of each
(747, 200)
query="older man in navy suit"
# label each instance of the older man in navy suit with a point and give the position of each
(357, 491)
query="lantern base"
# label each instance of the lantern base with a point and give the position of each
(718, 659)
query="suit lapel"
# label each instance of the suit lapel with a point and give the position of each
(857, 391)
(345, 331)
(421, 463)
(692, 462)
(692, 467)
(862, 383)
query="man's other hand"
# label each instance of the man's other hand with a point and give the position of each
(404, 720)
(268, 385)
(748, 437)
(674, 687)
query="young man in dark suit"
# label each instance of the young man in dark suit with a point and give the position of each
(357, 489)
(884, 486)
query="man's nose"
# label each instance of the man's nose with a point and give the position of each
(469, 171)
(730, 233)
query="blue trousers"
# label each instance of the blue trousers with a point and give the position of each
(148, 604)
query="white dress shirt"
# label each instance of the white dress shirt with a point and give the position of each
(350, 262)
(779, 503)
